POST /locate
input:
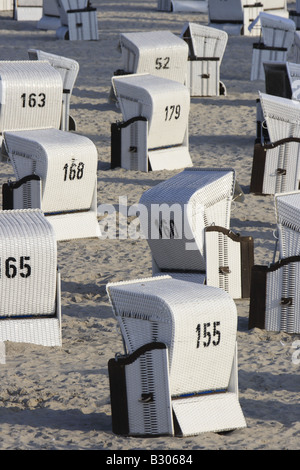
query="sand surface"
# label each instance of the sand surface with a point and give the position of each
(58, 398)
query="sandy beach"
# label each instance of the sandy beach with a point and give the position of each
(58, 398)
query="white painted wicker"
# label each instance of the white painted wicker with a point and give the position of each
(79, 21)
(30, 95)
(183, 5)
(160, 53)
(206, 50)
(68, 69)
(177, 212)
(6, 5)
(278, 36)
(63, 6)
(67, 165)
(165, 105)
(198, 325)
(51, 18)
(287, 209)
(30, 287)
(28, 10)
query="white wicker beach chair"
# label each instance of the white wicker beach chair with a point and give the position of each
(154, 131)
(51, 17)
(234, 16)
(30, 309)
(160, 53)
(198, 326)
(66, 164)
(177, 212)
(276, 165)
(68, 69)
(28, 10)
(206, 50)
(78, 20)
(30, 95)
(278, 36)
(229, 261)
(182, 5)
(274, 299)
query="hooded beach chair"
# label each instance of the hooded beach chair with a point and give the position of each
(199, 6)
(160, 53)
(68, 69)
(177, 217)
(55, 171)
(178, 375)
(206, 50)
(277, 39)
(275, 299)
(154, 132)
(28, 10)
(51, 17)
(78, 20)
(276, 161)
(30, 309)
(31, 96)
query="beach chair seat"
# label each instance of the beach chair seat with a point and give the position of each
(275, 165)
(31, 96)
(78, 21)
(182, 5)
(50, 19)
(30, 283)
(229, 261)
(28, 10)
(66, 166)
(154, 132)
(274, 298)
(206, 50)
(277, 39)
(68, 69)
(198, 325)
(178, 210)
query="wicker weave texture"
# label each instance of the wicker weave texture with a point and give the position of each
(175, 312)
(282, 168)
(164, 103)
(66, 162)
(287, 207)
(159, 53)
(276, 30)
(200, 198)
(31, 95)
(205, 41)
(29, 264)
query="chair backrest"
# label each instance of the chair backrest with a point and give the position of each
(174, 215)
(65, 162)
(64, 6)
(220, 11)
(160, 53)
(175, 313)
(204, 41)
(277, 31)
(28, 264)
(30, 95)
(164, 103)
(282, 116)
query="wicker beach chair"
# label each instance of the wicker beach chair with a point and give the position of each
(28, 10)
(206, 50)
(51, 17)
(182, 5)
(178, 211)
(234, 16)
(68, 69)
(31, 96)
(276, 160)
(154, 132)
(160, 53)
(65, 165)
(198, 325)
(277, 39)
(78, 21)
(30, 283)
